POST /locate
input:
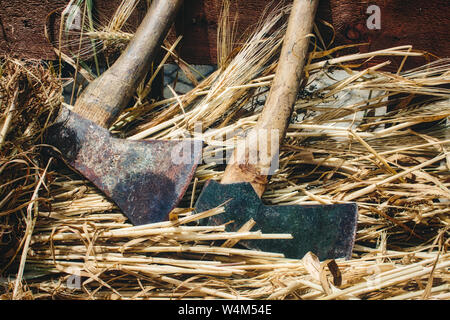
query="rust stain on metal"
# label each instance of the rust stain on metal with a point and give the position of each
(146, 179)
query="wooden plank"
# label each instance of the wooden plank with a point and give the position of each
(22, 24)
(424, 24)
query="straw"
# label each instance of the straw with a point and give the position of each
(387, 150)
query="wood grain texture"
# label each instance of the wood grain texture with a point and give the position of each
(279, 104)
(22, 24)
(122, 78)
(423, 24)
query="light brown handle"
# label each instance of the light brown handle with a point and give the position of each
(104, 98)
(274, 118)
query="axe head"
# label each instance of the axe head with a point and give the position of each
(145, 179)
(326, 230)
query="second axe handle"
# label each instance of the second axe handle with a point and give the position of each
(103, 99)
(279, 104)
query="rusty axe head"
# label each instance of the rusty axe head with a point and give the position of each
(146, 179)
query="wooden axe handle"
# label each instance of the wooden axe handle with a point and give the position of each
(279, 104)
(104, 98)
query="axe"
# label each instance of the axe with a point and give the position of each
(326, 230)
(146, 179)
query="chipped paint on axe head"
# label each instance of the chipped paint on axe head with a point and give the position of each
(146, 179)
(326, 230)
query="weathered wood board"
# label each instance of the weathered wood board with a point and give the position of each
(424, 24)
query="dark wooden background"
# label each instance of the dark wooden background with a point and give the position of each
(421, 23)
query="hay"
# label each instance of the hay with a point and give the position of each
(30, 95)
(388, 152)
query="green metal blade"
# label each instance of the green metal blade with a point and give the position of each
(326, 230)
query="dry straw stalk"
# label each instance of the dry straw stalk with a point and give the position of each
(387, 151)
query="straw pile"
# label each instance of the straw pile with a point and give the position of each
(389, 152)
(30, 96)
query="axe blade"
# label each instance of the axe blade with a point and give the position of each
(146, 179)
(326, 230)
